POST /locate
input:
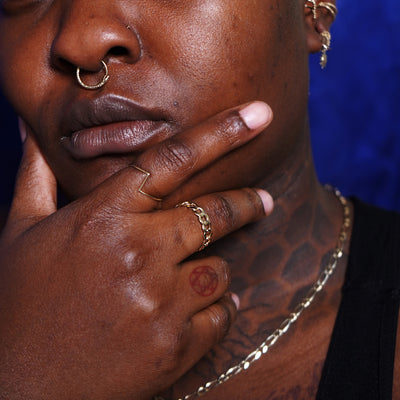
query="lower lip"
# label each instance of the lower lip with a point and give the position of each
(116, 138)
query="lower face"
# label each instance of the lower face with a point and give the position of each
(197, 58)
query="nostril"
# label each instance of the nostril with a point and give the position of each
(119, 51)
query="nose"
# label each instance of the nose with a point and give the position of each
(90, 32)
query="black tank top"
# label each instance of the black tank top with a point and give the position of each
(360, 359)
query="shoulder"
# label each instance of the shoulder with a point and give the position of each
(374, 249)
(365, 329)
(376, 241)
(375, 218)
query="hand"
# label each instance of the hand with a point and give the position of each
(96, 300)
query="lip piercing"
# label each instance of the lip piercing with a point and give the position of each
(106, 77)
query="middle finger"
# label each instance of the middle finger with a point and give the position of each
(182, 233)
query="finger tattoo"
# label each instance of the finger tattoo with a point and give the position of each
(204, 281)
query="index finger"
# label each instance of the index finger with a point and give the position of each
(162, 168)
(175, 160)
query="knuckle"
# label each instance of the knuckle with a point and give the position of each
(229, 127)
(135, 253)
(253, 200)
(224, 212)
(110, 235)
(148, 307)
(178, 237)
(223, 269)
(180, 240)
(175, 154)
(221, 319)
(133, 260)
(96, 220)
(171, 343)
(225, 272)
(87, 223)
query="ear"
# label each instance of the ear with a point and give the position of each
(317, 23)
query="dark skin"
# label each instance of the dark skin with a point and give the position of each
(186, 62)
(292, 369)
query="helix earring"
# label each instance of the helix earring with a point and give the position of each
(331, 8)
(312, 7)
(326, 43)
(106, 77)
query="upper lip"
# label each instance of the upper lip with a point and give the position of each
(89, 113)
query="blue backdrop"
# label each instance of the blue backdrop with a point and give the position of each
(355, 103)
(354, 107)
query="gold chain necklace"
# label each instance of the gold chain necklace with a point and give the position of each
(293, 316)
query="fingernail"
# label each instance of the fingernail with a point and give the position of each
(236, 300)
(22, 130)
(267, 200)
(256, 114)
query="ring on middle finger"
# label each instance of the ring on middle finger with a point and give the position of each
(204, 220)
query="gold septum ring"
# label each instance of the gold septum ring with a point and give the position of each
(204, 220)
(106, 77)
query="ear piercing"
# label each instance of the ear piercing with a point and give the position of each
(325, 35)
(326, 42)
(332, 9)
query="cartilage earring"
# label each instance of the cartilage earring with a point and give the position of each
(312, 7)
(326, 43)
(331, 8)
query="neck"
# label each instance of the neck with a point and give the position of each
(274, 263)
(288, 247)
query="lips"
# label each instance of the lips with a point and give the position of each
(111, 125)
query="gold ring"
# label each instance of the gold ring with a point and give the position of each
(106, 77)
(140, 190)
(204, 220)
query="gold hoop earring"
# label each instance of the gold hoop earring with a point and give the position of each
(332, 9)
(106, 77)
(326, 43)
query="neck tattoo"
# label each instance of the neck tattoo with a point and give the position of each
(292, 317)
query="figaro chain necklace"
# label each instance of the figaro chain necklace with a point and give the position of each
(293, 316)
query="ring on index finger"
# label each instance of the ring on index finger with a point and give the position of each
(140, 190)
(204, 220)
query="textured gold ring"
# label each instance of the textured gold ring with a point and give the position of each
(204, 220)
(106, 77)
(146, 176)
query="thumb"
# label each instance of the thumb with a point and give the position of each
(35, 195)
